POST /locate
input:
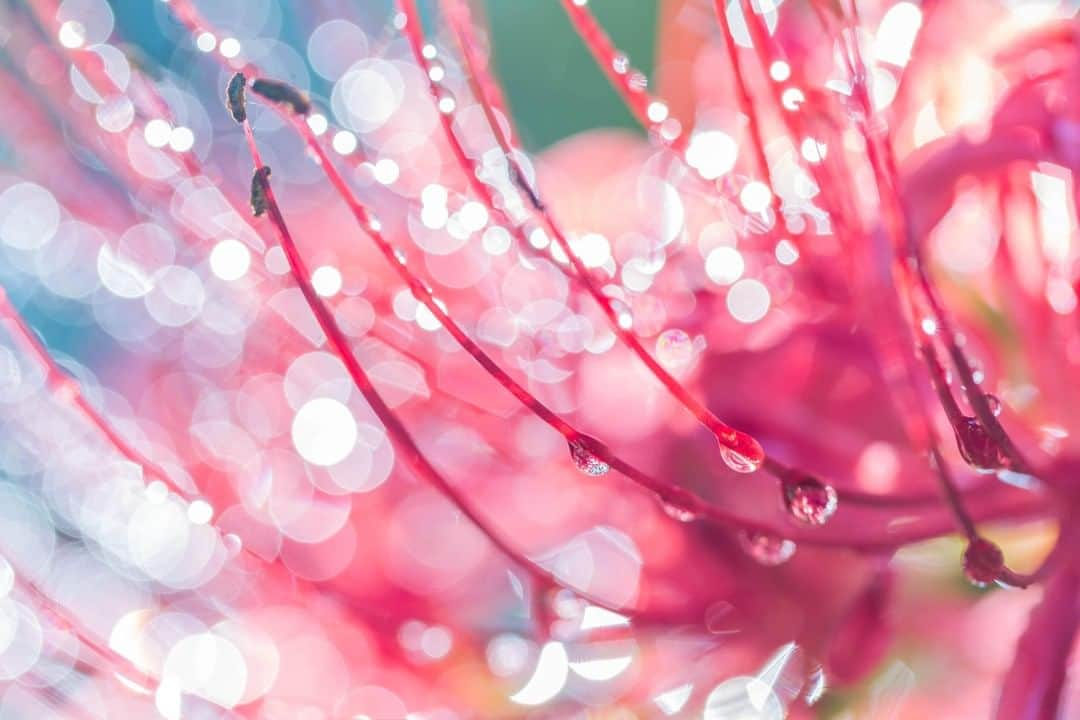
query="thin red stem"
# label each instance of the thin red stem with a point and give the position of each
(457, 16)
(67, 390)
(745, 100)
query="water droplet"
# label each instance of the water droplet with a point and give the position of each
(768, 550)
(741, 452)
(983, 561)
(977, 447)
(584, 458)
(680, 513)
(809, 500)
(637, 81)
(674, 348)
(620, 64)
(994, 403)
(815, 686)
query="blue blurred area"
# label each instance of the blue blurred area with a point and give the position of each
(551, 82)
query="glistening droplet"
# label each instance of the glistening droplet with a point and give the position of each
(740, 452)
(983, 562)
(680, 513)
(994, 403)
(809, 500)
(768, 550)
(977, 447)
(585, 459)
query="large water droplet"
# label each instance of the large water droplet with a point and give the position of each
(741, 452)
(977, 447)
(767, 549)
(983, 561)
(585, 459)
(809, 500)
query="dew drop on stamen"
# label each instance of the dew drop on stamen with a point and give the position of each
(809, 500)
(585, 460)
(679, 513)
(977, 447)
(741, 452)
(620, 64)
(983, 562)
(766, 549)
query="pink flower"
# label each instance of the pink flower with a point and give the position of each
(370, 413)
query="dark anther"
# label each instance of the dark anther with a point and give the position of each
(283, 94)
(525, 187)
(234, 98)
(259, 188)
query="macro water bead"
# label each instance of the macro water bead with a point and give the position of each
(983, 561)
(809, 500)
(585, 459)
(740, 452)
(768, 550)
(977, 447)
